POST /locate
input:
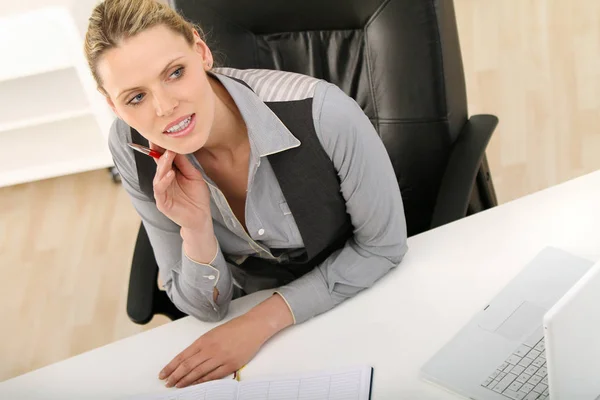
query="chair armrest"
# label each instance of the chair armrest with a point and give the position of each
(142, 280)
(463, 165)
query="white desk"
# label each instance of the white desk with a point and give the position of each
(446, 276)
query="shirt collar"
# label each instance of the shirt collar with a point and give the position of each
(267, 134)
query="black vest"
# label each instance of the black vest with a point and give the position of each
(311, 187)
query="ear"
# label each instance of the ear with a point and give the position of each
(202, 48)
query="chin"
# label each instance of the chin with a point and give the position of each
(191, 144)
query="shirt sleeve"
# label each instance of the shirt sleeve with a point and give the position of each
(189, 284)
(373, 201)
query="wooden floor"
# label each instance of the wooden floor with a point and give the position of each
(66, 243)
(65, 251)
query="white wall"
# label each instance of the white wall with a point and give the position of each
(81, 9)
(12, 6)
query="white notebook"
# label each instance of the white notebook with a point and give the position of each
(343, 384)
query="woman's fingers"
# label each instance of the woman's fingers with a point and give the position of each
(188, 377)
(218, 373)
(161, 186)
(165, 164)
(187, 353)
(186, 362)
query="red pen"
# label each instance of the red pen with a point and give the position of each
(145, 150)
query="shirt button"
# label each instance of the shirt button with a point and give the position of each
(261, 232)
(211, 277)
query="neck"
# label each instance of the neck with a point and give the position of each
(229, 133)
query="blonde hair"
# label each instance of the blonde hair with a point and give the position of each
(113, 21)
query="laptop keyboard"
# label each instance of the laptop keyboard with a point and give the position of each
(523, 376)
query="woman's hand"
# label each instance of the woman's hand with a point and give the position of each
(181, 193)
(228, 347)
(216, 354)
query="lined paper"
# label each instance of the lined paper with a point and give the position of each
(339, 386)
(347, 384)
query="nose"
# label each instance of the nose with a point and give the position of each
(164, 104)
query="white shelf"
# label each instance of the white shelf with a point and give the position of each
(41, 97)
(53, 149)
(53, 121)
(52, 170)
(44, 119)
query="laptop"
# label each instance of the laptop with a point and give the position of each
(538, 339)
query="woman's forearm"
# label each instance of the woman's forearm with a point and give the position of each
(200, 244)
(270, 317)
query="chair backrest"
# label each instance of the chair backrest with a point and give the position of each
(399, 59)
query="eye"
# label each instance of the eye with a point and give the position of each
(178, 73)
(136, 99)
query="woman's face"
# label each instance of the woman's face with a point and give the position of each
(157, 83)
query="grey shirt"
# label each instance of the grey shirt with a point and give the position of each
(368, 185)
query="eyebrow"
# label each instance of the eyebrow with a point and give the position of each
(161, 73)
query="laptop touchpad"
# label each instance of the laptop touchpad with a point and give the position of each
(522, 322)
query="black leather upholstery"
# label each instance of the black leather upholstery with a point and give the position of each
(399, 59)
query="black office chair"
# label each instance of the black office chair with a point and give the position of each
(399, 59)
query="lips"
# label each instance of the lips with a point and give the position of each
(181, 126)
(176, 122)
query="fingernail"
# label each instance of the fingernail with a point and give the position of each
(161, 376)
(168, 384)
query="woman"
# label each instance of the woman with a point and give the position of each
(240, 200)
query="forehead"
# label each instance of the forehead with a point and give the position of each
(140, 58)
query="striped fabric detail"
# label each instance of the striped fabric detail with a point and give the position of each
(273, 85)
